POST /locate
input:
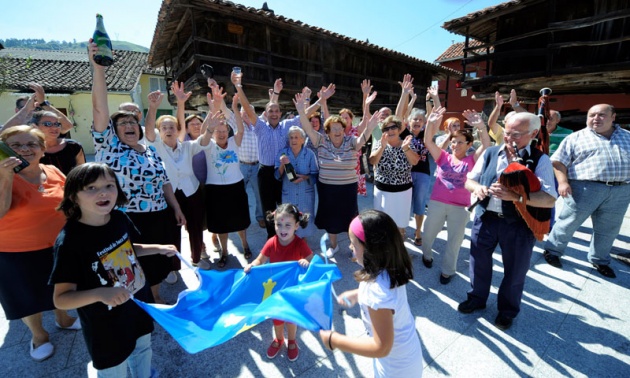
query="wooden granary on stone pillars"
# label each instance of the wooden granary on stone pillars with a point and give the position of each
(190, 33)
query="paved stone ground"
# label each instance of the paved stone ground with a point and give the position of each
(573, 322)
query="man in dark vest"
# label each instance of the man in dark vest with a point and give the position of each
(497, 220)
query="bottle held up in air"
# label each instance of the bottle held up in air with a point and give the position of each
(288, 168)
(103, 56)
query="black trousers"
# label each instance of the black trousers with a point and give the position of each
(270, 193)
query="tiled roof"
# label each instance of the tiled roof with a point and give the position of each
(68, 72)
(458, 25)
(159, 43)
(456, 51)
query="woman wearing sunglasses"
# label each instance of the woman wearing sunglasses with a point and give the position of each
(392, 159)
(64, 154)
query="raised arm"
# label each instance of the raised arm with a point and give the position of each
(514, 102)
(155, 99)
(405, 87)
(100, 108)
(369, 127)
(433, 122)
(23, 116)
(40, 95)
(210, 123)
(243, 99)
(412, 101)
(324, 104)
(178, 90)
(366, 88)
(274, 93)
(432, 99)
(238, 136)
(474, 119)
(494, 116)
(306, 124)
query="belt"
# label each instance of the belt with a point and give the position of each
(248, 163)
(612, 183)
(494, 214)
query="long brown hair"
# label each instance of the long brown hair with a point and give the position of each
(384, 249)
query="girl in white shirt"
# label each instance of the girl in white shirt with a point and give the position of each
(386, 267)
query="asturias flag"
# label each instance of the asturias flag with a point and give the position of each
(230, 302)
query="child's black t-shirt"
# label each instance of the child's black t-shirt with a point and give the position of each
(99, 256)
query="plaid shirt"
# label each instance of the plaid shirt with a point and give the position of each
(248, 152)
(593, 157)
(271, 140)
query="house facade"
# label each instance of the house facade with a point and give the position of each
(67, 80)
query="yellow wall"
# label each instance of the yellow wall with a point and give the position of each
(82, 105)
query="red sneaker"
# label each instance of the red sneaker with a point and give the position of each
(293, 351)
(274, 348)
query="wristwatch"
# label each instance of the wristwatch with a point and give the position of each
(44, 103)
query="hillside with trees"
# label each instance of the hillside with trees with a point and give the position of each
(41, 44)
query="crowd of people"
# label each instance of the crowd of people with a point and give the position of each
(110, 229)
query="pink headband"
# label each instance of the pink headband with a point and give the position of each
(357, 229)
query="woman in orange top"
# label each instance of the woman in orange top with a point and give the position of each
(29, 225)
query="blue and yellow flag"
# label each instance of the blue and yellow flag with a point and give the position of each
(230, 302)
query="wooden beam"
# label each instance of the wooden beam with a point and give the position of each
(561, 26)
(182, 22)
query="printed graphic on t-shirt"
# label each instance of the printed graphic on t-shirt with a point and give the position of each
(121, 264)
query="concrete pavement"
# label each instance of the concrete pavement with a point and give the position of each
(573, 322)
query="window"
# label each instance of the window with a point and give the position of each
(471, 75)
(157, 83)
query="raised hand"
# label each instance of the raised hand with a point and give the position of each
(178, 90)
(498, 99)
(407, 142)
(473, 118)
(155, 98)
(432, 92)
(327, 92)
(40, 95)
(277, 86)
(369, 99)
(513, 99)
(407, 83)
(436, 115)
(299, 103)
(366, 87)
(306, 91)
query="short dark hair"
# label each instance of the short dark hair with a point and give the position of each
(80, 177)
(125, 113)
(384, 249)
(465, 133)
(21, 102)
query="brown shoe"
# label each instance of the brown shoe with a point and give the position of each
(262, 224)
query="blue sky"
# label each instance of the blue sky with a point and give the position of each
(412, 27)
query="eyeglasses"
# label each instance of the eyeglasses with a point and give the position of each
(29, 145)
(457, 142)
(50, 124)
(515, 135)
(127, 123)
(392, 127)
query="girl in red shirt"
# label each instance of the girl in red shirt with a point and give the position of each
(284, 246)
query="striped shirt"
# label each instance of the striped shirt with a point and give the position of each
(593, 157)
(337, 165)
(272, 139)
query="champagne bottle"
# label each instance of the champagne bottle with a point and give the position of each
(103, 56)
(288, 168)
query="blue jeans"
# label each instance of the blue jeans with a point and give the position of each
(139, 362)
(420, 192)
(606, 205)
(250, 177)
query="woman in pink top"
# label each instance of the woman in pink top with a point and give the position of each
(449, 197)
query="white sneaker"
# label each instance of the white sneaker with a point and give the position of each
(171, 278)
(330, 252)
(203, 265)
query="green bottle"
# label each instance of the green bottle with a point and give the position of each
(103, 56)
(288, 168)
